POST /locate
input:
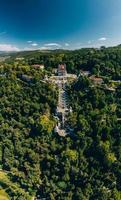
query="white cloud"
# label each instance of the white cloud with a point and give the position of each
(8, 47)
(29, 41)
(52, 45)
(67, 44)
(89, 42)
(34, 44)
(102, 39)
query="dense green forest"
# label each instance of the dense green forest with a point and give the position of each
(26, 125)
(103, 61)
(36, 161)
(97, 124)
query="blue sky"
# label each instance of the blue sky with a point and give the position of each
(70, 24)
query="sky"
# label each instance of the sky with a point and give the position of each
(52, 24)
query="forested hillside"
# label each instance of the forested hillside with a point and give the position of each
(103, 61)
(36, 161)
(96, 120)
(26, 125)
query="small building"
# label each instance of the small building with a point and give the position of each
(46, 78)
(19, 59)
(37, 66)
(25, 78)
(54, 70)
(62, 70)
(96, 80)
(84, 73)
(111, 89)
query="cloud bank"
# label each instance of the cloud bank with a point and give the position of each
(8, 47)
